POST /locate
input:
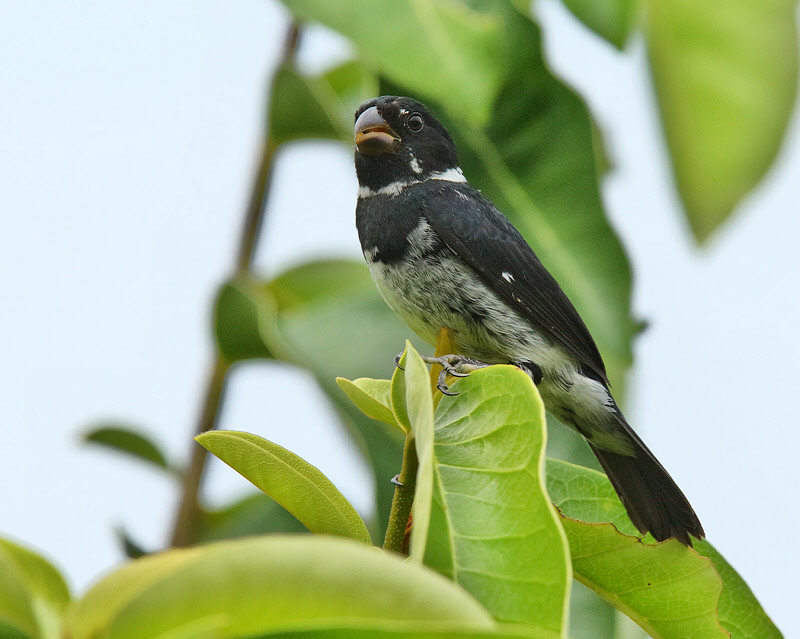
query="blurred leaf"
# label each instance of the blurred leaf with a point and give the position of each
(249, 586)
(304, 107)
(252, 515)
(33, 594)
(383, 448)
(725, 75)
(550, 191)
(335, 323)
(493, 528)
(672, 591)
(131, 548)
(591, 616)
(11, 632)
(610, 19)
(334, 320)
(244, 318)
(352, 83)
(128, 441)
(321, 106)
(445, 49)
(414, 630)
(372, 397)
(290, 480)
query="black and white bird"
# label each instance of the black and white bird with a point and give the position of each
(443, 256)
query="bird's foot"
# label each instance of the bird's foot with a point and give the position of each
(455, 366)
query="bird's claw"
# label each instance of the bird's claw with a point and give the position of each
(397, 359)
(454, 366)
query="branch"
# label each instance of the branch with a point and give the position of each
(187, 519)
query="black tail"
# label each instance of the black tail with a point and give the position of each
(653, 500)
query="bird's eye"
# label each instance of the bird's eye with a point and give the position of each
(415, 122)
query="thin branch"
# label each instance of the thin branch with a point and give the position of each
(187, 519)
(403, 498)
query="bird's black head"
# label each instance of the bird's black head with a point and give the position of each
(397, 139)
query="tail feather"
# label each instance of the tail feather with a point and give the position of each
(651, 497)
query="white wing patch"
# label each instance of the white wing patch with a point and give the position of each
(507, 276)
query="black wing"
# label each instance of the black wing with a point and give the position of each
(484, 238)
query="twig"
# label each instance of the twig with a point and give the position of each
(187, 519)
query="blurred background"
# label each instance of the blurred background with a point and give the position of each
(130, 133)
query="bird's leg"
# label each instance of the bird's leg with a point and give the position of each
(532, 369)
(454, 365)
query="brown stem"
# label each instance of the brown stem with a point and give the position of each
(185, 530)
(187, 519)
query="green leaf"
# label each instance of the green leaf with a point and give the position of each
(252, 515)
(493, 529)
(610, 19)
(670, 590)
(244, 318)
(131, 548)
(419, 405)
(328, 102)
(328, 317)
(318, 117)
(398, 392)
(333, 320)
(372, 397)
(128, 441)
(726, 78)
(739, 610)
(253, 586)
(413, 630)
(446, 50)
(550, 191)
(290, 480)
(33, 594)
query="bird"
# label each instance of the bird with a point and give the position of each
(444, 257)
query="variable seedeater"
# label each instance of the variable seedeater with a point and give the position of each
(443, 256)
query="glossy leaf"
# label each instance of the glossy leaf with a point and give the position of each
(33, 594)
(446, 50)
(493, 528)
(610, 19)
(290, 480)
(726, 79)
(372, 397)
(128, 442)
(670, 590)
(253, 586)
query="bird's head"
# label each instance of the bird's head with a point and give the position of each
(397, 139)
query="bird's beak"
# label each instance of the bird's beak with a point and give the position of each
(373, 134)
